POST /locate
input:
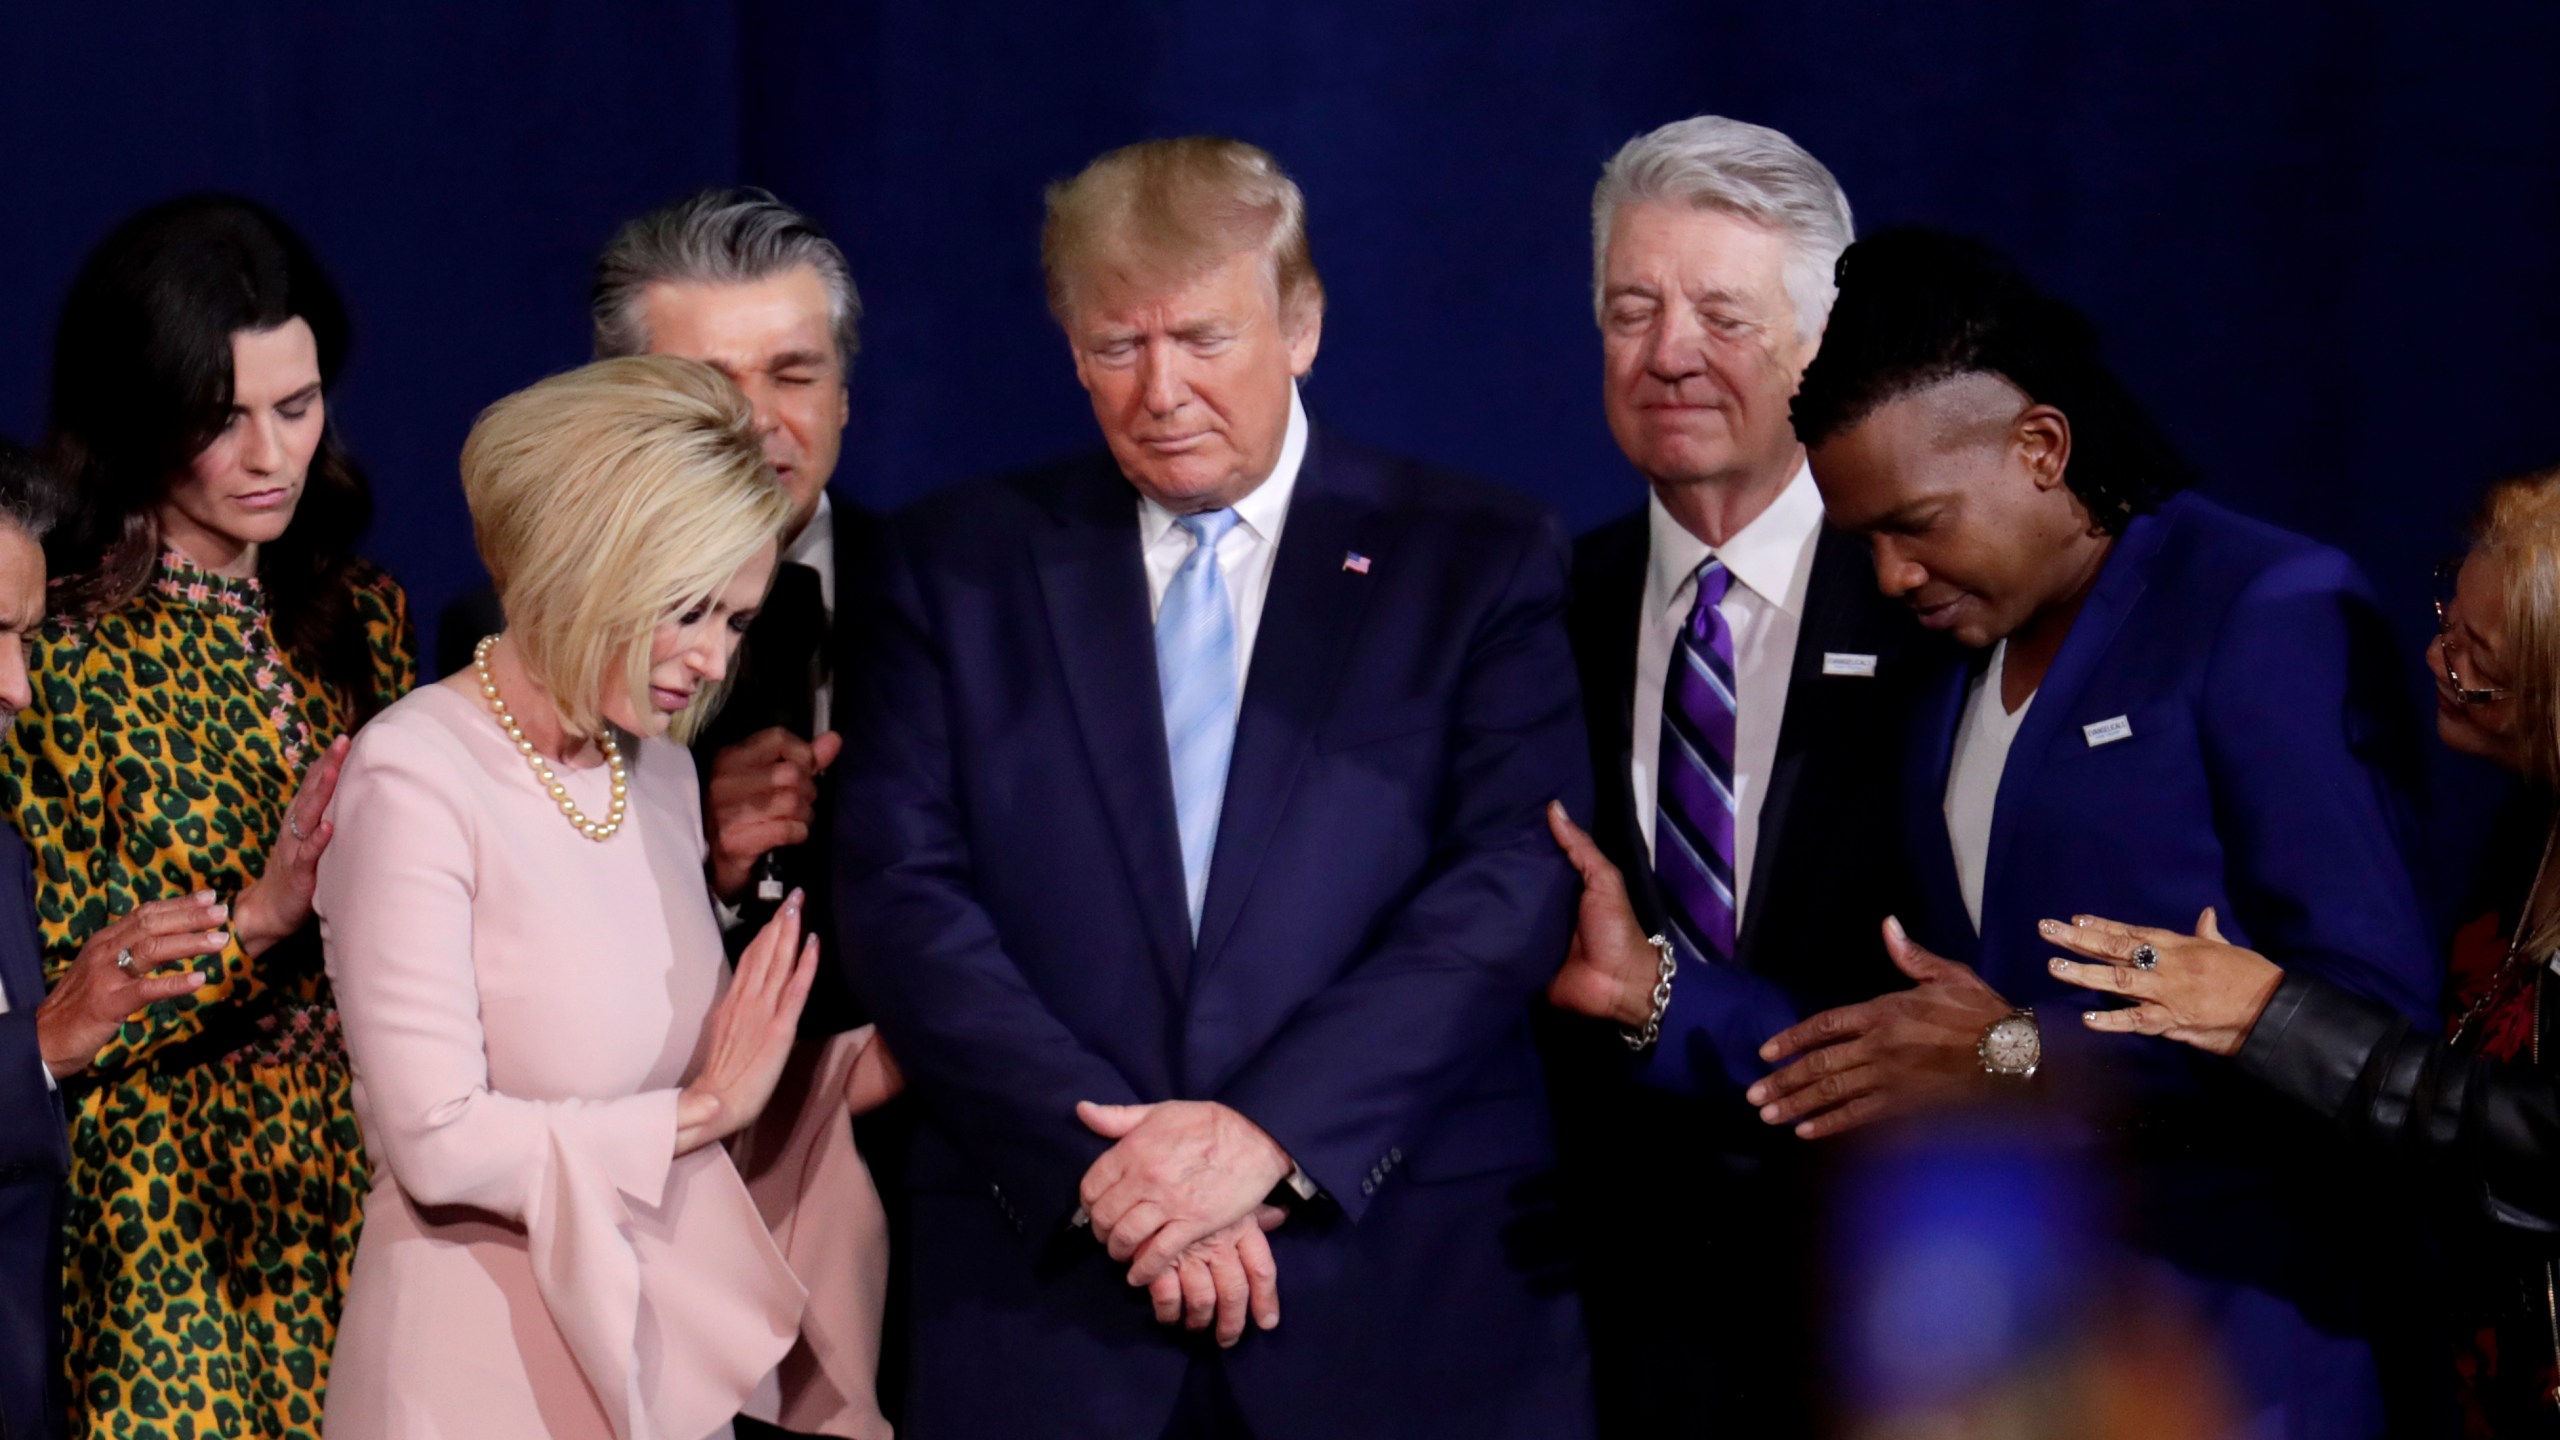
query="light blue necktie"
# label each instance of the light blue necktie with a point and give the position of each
(1196, 670)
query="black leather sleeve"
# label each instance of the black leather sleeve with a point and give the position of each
(2390, 1085)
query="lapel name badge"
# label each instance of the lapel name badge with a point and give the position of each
(1841, 662)
(1355, 562)
(2107, 732)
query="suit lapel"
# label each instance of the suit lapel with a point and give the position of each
(1308, 618)
(1935, 719)
(1094, 584)
(2121, 582)
(1616, 620)
(1841, 575)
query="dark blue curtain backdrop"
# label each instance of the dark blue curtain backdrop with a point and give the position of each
(2320, 235)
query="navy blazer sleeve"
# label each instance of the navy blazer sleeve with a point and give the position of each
(1381, 1051)
(2304, 728)
(999, 1067)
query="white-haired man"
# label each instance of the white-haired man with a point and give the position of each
(1741, 678)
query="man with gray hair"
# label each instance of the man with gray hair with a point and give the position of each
(1741, 679)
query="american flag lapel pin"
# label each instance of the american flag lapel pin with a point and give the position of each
(1355, 562)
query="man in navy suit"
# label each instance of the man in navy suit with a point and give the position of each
(44, 1036)
(2168, 708)
(1192, 857)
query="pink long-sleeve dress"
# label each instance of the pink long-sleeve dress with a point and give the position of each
(521, 1005)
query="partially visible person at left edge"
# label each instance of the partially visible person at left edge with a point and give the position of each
(214, 642)
(47, 1036)
(2167, 707)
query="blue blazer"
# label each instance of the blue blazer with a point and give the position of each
(2227, 725)
(34, 1156)
(1384, 908)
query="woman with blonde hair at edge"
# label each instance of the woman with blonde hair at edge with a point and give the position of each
(608, 1199)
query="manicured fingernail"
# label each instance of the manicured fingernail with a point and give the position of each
(2048, 927)
(1769, 1114)
(221, 912)
(218, 937)
(2088, 1017)
(204, 895)
(2057, 964)
(1756, 1094)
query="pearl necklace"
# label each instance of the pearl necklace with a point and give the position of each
(594, 830)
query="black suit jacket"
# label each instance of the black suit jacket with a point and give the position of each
(1713, 1333)
(34, 1156)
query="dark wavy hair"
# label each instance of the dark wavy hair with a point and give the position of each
(1920, 306)
(142, 384)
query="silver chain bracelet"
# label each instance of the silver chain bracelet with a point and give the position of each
(1641, 1040)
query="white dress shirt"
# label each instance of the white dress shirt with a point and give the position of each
(1245, 553)
(815, 547)
(1983, 739)
(1771, 560)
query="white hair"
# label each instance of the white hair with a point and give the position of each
(1712, 163)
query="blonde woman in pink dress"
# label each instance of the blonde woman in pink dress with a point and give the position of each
(608, 1199)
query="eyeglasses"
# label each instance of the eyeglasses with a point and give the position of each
(2447, 575)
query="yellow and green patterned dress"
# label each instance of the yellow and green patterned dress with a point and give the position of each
(217, 1176)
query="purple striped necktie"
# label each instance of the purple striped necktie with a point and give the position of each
(1694, 811)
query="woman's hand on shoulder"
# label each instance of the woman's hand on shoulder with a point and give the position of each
(278, 902)
(752, 1029)
(2195, 989)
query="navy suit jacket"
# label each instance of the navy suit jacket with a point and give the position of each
(34, 1156)
(1384, 908)
(2227, 725)
(1683, 1142)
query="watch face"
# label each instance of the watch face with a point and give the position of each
(2012, 1046)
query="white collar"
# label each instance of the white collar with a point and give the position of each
(1265, 508)
(1772, 556)
(815, 547)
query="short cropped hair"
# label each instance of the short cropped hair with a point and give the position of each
(1919, 306)
(717, 237)
(1174, 209)
(30, 500)
(1712, 163)
(605, 500)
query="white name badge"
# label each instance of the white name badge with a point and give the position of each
(1838, 662)
(2107, 732)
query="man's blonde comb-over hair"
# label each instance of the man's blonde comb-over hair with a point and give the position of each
(605, 500)
(1168, 210)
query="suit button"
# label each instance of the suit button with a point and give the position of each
(1395, 1157)
(1368, 1186)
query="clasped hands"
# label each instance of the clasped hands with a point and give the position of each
(1179, 1198)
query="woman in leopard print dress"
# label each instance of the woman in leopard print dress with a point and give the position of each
(213, 641)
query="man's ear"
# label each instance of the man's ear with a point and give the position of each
(2042, 436)
(1302, 324)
